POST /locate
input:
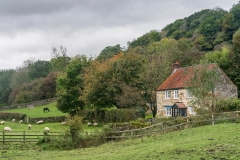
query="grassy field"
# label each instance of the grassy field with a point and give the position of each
(218, 142)
(37, 111)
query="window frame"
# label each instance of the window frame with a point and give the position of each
(167, 110)
(189, 95)
(175, 94)
(167, 94)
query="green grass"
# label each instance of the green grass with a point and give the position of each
(38, 111)
(220, 141)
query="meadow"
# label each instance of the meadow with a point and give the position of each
(37, 111)
(219, 142)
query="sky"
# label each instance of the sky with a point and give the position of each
(29, 29)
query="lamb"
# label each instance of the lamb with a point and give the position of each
(89, 124)
(46, 129)
(21, 121)
(95, 124)
(40, 122)
(7, 129)
(63, 124)
(2, 122)
(29, 126)
(13, 120)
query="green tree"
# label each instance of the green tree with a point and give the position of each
(109, 52)
(5, 89)
(201, 84)
(39, 69)
(70, 86)
(59, 60)
(234, 56)
(115, 82)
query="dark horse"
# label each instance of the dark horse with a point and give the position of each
(46, 109)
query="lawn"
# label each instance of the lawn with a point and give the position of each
(221, 141)
(37, 111)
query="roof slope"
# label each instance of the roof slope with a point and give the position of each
(179, 78)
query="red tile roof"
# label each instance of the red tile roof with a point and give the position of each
(179, 78)
(180, 105)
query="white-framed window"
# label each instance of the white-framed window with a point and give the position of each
(168, 110)
(176, 94)
(167, 94)
(189, 94)
(191, 111)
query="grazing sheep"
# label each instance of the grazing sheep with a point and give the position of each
(46, 129)
(95, 124)
(89, 124)
(13, 120)
(21, 121)
(40, 122)
(29, 126)
(7, 129)
(30, 107)
(2, 122)
(63, 124)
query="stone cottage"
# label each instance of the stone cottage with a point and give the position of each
(173, 97)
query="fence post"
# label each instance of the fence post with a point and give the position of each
(141, 134)
(131, 135)
(24, 136)
(212, 119)
(237, 117)
(187, 122)
(3, 136)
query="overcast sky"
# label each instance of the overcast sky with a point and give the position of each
(29, 29)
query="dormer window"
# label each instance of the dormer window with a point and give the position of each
(167, 94)
(176, 94)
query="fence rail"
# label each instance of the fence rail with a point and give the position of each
(159, 128)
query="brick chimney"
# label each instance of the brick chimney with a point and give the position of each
(175, 66)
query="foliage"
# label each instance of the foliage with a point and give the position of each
(60, 60)
(234, 69)
(110, 115)
(145, 40)
(109, 52)
(10, 116)
(38, 89)
(230, 104)
(70, 86)
(108, 83)
(201, 85)
(5, 82)
(39, 69)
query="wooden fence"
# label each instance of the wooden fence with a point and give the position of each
(31, 136)
(179, 123)
(176, 124)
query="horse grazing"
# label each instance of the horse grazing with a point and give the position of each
(46, 109)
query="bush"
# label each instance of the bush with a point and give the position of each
(10, 116)
(226, 105)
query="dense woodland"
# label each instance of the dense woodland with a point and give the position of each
(126, 77)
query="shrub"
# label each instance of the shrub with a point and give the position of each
(10, 116)
(230, 104)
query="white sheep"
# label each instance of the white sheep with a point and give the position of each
(89, 124)
(95, 124)
(63, 124)
(21, 121)
(46, 129)
(7, 129)
(13, 120)
(2, 122)
(40, 122)
(29, 126)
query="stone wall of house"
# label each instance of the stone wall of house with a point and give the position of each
(25, 105)
(225, 88)
(161, 101)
